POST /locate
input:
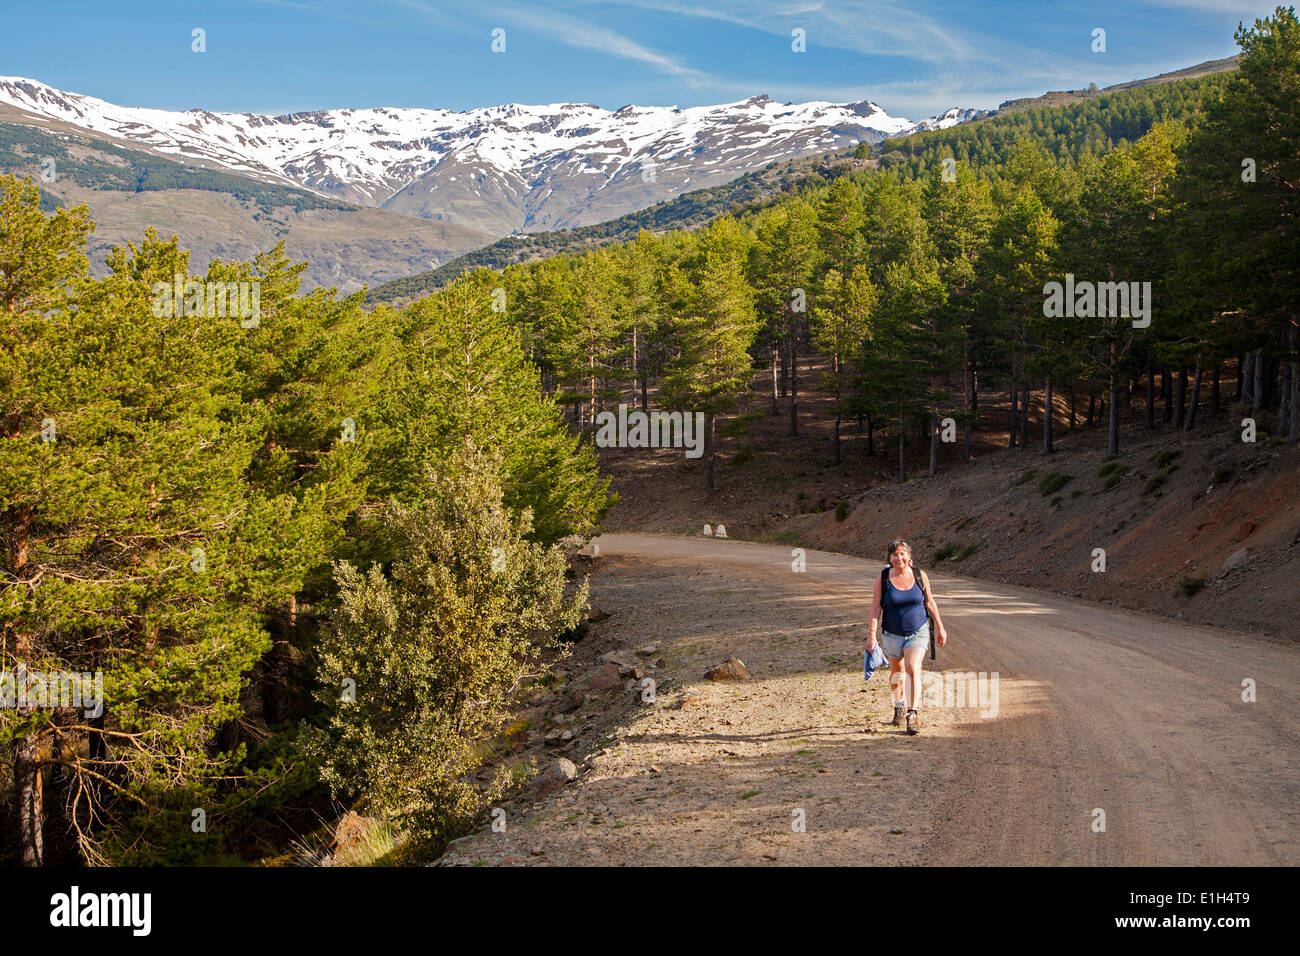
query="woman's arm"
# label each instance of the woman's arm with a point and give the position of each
(934, 611)
(875, 617)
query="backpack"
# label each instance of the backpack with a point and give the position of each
(884, 583)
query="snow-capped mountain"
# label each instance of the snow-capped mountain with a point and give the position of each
(504, 168)
(947, 118)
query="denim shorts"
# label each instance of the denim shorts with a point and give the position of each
(894, 644)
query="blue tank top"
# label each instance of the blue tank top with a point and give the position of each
(904, 610)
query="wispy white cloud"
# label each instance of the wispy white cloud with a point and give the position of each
(435, 15)
(949, 60)
(565, 28)
(584, 34)
(1244, 8)
(873, 27)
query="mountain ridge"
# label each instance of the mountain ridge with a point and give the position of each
(499, 170)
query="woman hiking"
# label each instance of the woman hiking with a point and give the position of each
(904, 632)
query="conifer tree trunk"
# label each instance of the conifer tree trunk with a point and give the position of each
(1196, 395)
(634, 366)
(776, 409)
(1246, 382)
(838, 411)
(1284, 399)
(1180, 397)
(1261, 370)
(1214, 390)
(902, 437)
(31, 807)
(871, 441)
(1293, 433)
(1015, 422)
(934, 445)
(1167, 395)
(1151, 393)
(1024, 416)
(27, 748)
(794, 387)
(710, 439)
(1047, 416)
(1112, 437)
(969, 390)
(591, 410)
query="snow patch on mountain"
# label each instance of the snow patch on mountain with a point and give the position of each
(499, 153)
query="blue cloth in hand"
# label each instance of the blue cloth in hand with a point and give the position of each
(873, 661)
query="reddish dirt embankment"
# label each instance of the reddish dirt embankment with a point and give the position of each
(1202, 527)
(1221, 552)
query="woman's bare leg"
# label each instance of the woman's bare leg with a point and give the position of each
(896, 680)
(913, 657)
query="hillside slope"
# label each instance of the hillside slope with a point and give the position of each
(1065, 125)
(219, 214)
(1182, 507)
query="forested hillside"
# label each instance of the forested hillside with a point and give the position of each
(313, 549)
(1114, 117)
(1069, 133)
(928, 281)
(681, 212)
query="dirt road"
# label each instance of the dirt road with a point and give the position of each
(1096, 710)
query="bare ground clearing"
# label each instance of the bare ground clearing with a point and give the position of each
(1098, 708)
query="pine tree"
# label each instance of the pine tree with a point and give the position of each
(460, 374)
(959, 215)
(1238, 193)
(136, 549)
(714, 335)
(841, 327)
(784, 259)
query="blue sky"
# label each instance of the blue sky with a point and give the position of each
(913, 58)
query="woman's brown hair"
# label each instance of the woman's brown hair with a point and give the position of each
(899, 543)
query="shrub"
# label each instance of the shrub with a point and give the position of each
(1056, 500)
(1154, 483)
(741, 458)
(1113, 480)
(1053, 483)
(945, 552)
(1107, 468)
(1076, 492)
(966, 552)
(1025, 476)
(1222, 474)
(1165, 457)
(517, 729)
(1189, 585)
(841, 511)
(435, 644)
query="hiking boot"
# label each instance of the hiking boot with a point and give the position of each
(913, 722)
(898, 716)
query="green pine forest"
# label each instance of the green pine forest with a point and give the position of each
(315, 558)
